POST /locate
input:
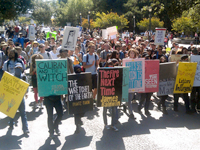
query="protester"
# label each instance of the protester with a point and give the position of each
(34, 78)
(15, 66)
(54, 52)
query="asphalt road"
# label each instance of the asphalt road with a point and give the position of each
(176, 130)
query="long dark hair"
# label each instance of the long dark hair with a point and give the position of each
(16, 54)
(114, 54)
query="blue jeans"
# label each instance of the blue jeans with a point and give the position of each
(1, 74)
(50, 103)
(114, 116)
(23, 116)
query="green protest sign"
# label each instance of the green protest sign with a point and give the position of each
(52, 77)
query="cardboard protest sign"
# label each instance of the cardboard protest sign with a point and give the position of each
(151, 76)
(112, 32)
(31, 32)
(52, 77)
(80, 97)
(12, 91)
(167, 76)
(185, 77)
(196, 58)
(110, 87)
(160, 35)
(136, 74)
(70, 38)
(176, 58)
(53, 34)
(104, 34)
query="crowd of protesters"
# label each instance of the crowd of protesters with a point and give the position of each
(91, 52)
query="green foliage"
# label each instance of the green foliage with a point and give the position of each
(9, 9)
(104, 20)
(155, 23)
(24, 20)
(85, 23)
(183, 24)
(70, 11)
(42, 12)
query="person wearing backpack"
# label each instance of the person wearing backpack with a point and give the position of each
(15, 66)
(1, 63)
(90, 63)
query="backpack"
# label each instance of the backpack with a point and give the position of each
(87, 60)
(18, 60)
(48, 54)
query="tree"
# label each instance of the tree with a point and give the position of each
(42, 12)
(70, 11)
(85, 23)
(9, 9)
(104, 20)
(155, 23)
(183, 24)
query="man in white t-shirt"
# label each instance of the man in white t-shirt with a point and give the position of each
(90, 63)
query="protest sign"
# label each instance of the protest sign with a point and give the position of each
(12, 91)
(70, 38)
(136, 74)
(196, 58)
(185, 77)
(110, 86)
(2, 28)
(176, 58)
(167, 76)
(160, 35)
(151, 76)
(80, 97)
(104, 34)
(53, 34)
(52, 77)
(31, 32)
(112, 32)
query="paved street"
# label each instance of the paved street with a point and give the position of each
(174, 131)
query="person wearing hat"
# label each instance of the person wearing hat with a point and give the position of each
(20, 40)
(191, 45)
(34, 49)
(185, 96)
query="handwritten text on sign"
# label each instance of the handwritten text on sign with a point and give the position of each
(12, 91)
(185, 77)
(52, 77)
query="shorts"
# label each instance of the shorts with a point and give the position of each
(94, 81)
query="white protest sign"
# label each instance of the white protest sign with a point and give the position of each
(31, 32)
(70, 38)
(111, 31)
(104, 34)
(160, 35)
(2, 28)
(196, 58)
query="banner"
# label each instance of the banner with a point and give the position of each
(31, 32)
(160, 35)
(151, 76)
(80, 96)
(70, 38)
(167, 76)
(52, 77)
(12, 91)
(185, 77)
(136, 74)
(110, 86)
(196, 58)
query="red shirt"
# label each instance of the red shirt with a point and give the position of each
(16, 29)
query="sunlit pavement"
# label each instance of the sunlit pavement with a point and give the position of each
(176, 130)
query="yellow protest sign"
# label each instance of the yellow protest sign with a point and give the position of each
(12, 91)
(185, 77)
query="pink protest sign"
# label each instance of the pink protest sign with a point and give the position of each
(136, 74)
(151, 76)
